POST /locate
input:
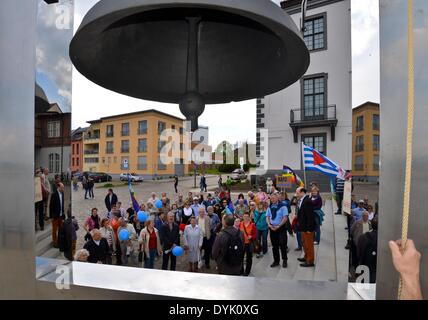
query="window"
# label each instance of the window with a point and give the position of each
(124, 146)
(359, 163)
(77, 149)
(51, 162)
(142, 163)
(161, 127)
(376, 163)
(359, 144)
(161, 166)
(91, 160)
(161, 144)
(122, 161)
(73, 152)
(315, 36)
(173, 128)
(57, 163)
(72, 162)
(109, 147)
(314, 98)
(318, 142)
(125, 129)
(110, 131)
(376, 142)
(181, 130)
(360, 123)
(54, 128)
(376, 122)
(77, 161)
(142, 127)
(142, 145)
(181, 146)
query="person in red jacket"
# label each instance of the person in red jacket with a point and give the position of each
(248, 228)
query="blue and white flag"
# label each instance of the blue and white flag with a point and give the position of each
(316, 161)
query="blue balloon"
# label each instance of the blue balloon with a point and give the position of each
(158, 204)
(142, 216)
(177, 251)
(123, 235)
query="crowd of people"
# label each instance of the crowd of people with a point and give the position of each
(52, 205)
(217, 229)
(362, 223)
(209, 227)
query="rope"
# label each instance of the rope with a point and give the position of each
(410, 117)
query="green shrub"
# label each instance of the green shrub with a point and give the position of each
(108, 185)
(228, 168)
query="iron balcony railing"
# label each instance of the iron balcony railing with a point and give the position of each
(93, 137)
(313, 114)
(89, 152)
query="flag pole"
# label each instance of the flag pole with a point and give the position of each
(304, 166)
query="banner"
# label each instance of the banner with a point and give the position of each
(38, 196)
(347, 194)
(284, 182)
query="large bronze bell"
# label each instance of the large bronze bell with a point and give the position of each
(190, 52)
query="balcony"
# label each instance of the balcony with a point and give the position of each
(313, 117)
(92, 138)
(91, 152)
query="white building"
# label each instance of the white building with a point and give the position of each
(316, 110)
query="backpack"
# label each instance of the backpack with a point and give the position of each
(234, 250)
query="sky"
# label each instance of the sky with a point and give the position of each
(232, 122)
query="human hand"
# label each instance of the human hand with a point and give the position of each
(407, 263)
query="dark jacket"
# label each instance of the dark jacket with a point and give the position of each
(367, 252)
(219, 251)
(108, 203)
(56, 209)
(306, 216)
(97, 253)
(169, 237)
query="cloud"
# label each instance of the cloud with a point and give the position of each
(365, 51)
(52, 49)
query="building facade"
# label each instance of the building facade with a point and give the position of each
(132, 143)
(366, 142)
(77, 149)
(52, 135)
(317, 110)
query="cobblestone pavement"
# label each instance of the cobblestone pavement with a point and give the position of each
(82, 208)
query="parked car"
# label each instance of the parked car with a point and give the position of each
(100, 177)
(133, 176)
(238, 174)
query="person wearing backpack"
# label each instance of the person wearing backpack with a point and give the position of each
(228, 249)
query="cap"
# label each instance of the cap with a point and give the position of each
(361, 201)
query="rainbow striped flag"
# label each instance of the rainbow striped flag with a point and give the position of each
(134, 201)
(288, 172)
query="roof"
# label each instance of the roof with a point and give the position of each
(366, 104)
(135, 113)
(76, 134)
